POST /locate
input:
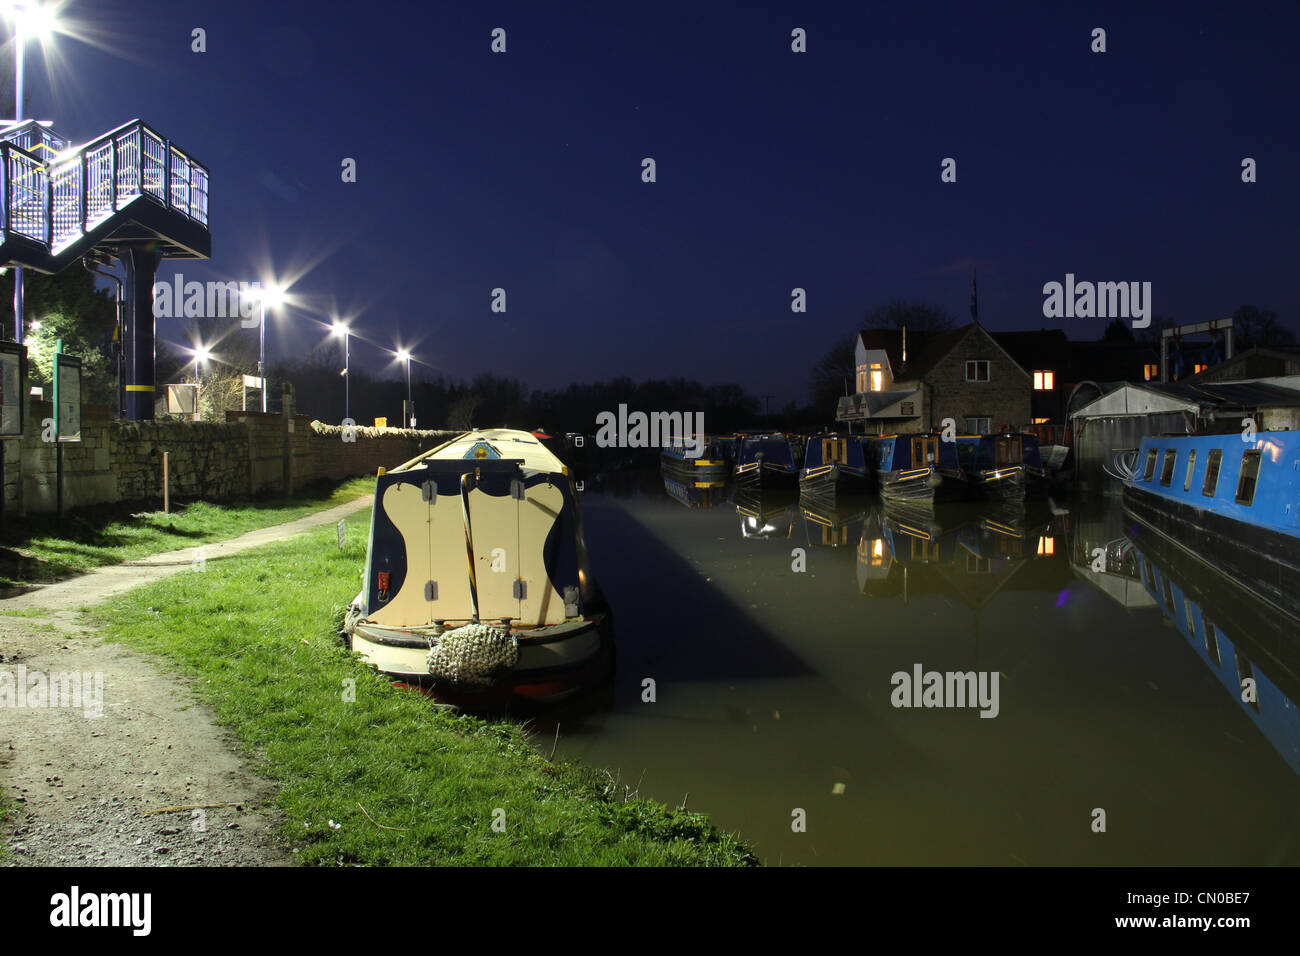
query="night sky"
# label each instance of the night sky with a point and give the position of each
(819, 170)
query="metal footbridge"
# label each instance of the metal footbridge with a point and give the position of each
(130, 195)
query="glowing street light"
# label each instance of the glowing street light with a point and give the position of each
(273, 296)
(28, 21)
(341, 329)
(404, 355)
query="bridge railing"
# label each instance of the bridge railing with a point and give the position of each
(58, 201)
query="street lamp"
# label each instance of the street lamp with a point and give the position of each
(341, 328)
(28, 20)
(404, 356)
(271, 295)
(201, 355)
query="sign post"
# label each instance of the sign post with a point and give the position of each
(13, 373)
(67, 411)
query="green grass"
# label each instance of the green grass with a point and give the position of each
(41, 548)
(258, 635)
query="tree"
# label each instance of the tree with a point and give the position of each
(1117, 331)
(67, 306)
(916, 316)
(834, 374)
(1256, 327)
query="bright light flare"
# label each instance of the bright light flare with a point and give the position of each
(202, 353)
(32, 21)
(403, 355)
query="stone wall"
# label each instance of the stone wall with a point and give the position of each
(249, 454)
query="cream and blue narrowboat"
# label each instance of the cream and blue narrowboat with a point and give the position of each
(477, 583)
(1004, 467)
(1232, 503)
(916, 469)
(768, 463)
(834, 465)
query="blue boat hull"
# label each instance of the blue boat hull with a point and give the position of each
(1261, 559)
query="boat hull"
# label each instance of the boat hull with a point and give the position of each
(829, 481)
(706, 470)
(765, 477)
(914, 486)
(554, 663)
(1264, 561)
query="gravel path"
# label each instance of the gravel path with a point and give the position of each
(78, 787)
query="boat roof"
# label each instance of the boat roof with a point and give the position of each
(492, 443)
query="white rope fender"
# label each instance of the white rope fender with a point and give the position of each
(473, 655)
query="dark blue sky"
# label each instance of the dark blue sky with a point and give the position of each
(775, 169)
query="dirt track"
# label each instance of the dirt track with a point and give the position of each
(79, 788)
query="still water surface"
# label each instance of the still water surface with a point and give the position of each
(774, 687)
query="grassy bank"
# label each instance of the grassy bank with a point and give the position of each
(43, 547)
(258, 635)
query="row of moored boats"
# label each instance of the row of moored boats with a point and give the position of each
(919, 469)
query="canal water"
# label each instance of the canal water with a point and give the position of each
(773, 632)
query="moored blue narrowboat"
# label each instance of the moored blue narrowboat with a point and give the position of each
(1001, 467)
(1232, 504)
(834, 464)
(917, 469)
(767, 462)
(692, 463)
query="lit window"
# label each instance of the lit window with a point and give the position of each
(1198, 369)
(877, 377)
(1046, 546)
(1042, 421)
(977, 371)
(1044, 381)
(1150, 372)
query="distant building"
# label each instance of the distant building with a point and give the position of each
(908, 383)
(1263, 362)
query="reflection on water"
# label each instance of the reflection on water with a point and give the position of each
(771, 628)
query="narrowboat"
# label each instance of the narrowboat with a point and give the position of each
(833, 465)
(477, 583)
(767, 463)
(1004, 467)
(916, 469)
(1231, 501)
(707, 464)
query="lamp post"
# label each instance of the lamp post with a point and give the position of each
(201, 354)
(29, 20)
(405, 356)
(341, 328)
(273, 295)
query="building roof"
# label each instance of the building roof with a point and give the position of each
(1155, 398)
(890, 341)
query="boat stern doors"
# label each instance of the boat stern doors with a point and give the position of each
(483, 540)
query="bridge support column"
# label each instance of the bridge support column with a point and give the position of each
(141, 266)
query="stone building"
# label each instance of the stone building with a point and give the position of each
(908, 383)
